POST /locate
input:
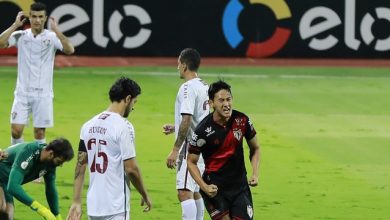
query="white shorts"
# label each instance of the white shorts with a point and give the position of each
(41, 109)
(184, 179)
(119, 216)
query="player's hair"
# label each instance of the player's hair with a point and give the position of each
(191, 58)
(38, 6)
(61, 147)
(122, 88)
(218, 86)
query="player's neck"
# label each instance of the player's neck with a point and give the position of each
(36, 32)
(116, 108)
(190, 75)
(220, 120)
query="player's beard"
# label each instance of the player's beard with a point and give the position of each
(127, 111)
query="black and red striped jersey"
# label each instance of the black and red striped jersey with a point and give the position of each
(222, 149)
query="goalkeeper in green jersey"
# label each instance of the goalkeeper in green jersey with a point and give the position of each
(25, 162)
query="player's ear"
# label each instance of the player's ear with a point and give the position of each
(128, 99)
(211, 103)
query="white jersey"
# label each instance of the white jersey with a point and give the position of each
(192, 99)
(109, 139)
(35, 62)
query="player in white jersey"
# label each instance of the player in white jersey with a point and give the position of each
(191, 107)
(107, 146)
(34, 86)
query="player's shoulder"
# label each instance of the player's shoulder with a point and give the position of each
(49, 33)
(20, 33)
(206, 122)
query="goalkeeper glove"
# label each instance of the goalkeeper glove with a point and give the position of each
(58, 217)
(42, 210)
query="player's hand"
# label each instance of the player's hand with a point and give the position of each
(42, 210)
(146, 201)
(172, 157)
(3, 154)
(168, 129)
(253, 181)
(53, 24)
(20, 19)
(74, 212)
(211, 190)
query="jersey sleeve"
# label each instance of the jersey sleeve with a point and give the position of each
(14, 38)
(250, 131)
(19, 169)
(57, 42)
(51, 191)
(196, 143)
(127, 141)
(82, 146)
(189, 99)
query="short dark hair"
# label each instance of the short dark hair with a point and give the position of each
(122, 88)
(38, 6)
(61, 147)
(191, 58)
(218, 86)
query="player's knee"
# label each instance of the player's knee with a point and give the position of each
(184, 195)
(16, 132)
(39, 133)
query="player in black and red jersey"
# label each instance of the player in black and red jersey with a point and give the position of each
(219, 136)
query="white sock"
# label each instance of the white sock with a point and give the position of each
(16, 140)
(43, 141)
(199, 209)
(188, 208)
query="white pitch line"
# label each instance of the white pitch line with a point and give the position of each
(221, 75)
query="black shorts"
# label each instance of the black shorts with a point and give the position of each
(237, 203)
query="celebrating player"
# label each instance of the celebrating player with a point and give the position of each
(219, 138)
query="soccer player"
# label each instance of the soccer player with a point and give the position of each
(26, 162)
(219, 138)
(190, 108)
(34, 86)
(107, 146)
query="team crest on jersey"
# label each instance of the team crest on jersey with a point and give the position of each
(24, 165)
(42, 172)
(209, 131)
(237, 134)
(46, 42)
(200, 142)
(249, 210)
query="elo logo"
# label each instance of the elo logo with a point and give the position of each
(256, 49)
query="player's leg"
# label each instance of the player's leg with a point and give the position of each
(42, 110)
(217, 207)
(242, 206)
(6, 204)
(185, 188)
(19, 118)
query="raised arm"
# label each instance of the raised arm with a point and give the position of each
(79, 175)
(66, 44)
(254, 156)
(181, 136)
(7, 33)
(135, 177)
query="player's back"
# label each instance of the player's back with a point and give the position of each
(109, 140)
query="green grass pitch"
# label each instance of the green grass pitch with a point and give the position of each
(324, 134)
